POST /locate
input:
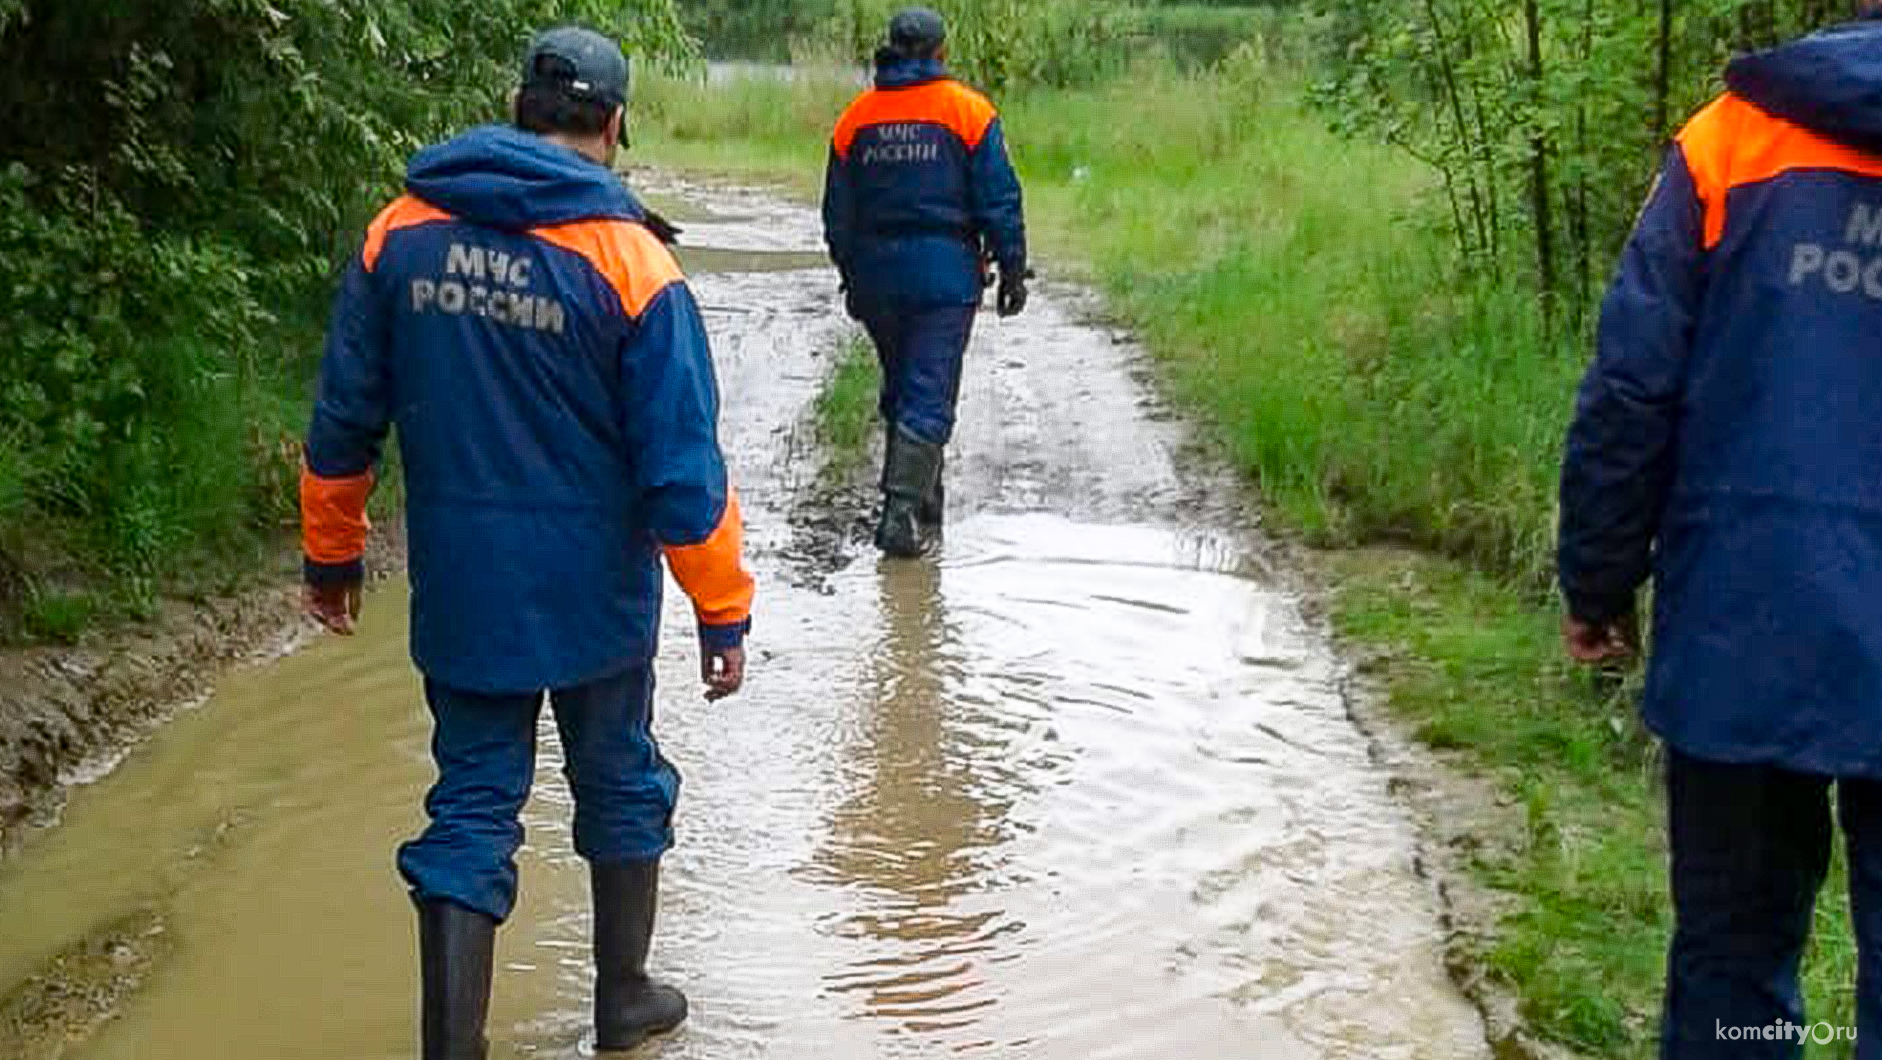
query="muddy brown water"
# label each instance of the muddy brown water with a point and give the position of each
(1083, 787)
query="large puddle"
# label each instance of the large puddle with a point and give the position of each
(1084, 787)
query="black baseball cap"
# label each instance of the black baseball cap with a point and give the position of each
(580, 63)
(917, 32)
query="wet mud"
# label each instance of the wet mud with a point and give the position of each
(1084, 785)
(68, 715)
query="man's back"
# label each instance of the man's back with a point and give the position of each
(543, 361)
(1735, 414)
(918, 177)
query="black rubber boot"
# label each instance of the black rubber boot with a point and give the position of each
(910, 469)
(629, 1007)
(934, 505)
(454, 956)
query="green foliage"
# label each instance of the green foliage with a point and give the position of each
(1311, 310)
(1103, 36)
(754, 29)
(1543, 119)
(178, 182)
(998, 44)
(1003, 45)
(59, 616)
(1202, 34)
(100, 308)
(276, 121)
(792, 117)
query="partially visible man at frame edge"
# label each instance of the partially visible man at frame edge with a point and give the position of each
(516, 317)
(1728, 438)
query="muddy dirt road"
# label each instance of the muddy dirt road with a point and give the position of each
(1083, 788)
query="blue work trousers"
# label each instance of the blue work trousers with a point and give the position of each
(1750, 848)
(485, 749)
(921, 349)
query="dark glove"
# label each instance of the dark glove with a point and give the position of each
(1012, 298)
(664, 230)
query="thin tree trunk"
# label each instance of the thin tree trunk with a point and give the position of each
(1486, 162)
(1579, 223)
(1454, 97)
(1663, 75)
(1540, 204)
(1457, 215)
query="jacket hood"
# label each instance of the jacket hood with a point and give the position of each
(1829, 82)
(894, 70)
(503, 177)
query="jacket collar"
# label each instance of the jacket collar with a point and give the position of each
(895, 71)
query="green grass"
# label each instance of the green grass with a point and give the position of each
(846, 407)
(59, 617)
(749, 127)
(1293, 286)
(1474, 668)
(199, 501)
(1300, 298)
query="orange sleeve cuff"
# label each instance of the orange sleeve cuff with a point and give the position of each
(333, 517)
(713, 572)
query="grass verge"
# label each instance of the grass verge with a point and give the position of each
(1301, 302)
(846, 407)
(195, 499)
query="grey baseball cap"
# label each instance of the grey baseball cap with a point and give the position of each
(578, 62)
(917, 32)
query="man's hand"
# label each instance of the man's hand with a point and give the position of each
(723, 671)
(1011, 301)
(333, 606)
(1594, 644)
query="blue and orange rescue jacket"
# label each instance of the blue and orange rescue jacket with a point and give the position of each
(918, 187)
(1728, 438)
(548, 372)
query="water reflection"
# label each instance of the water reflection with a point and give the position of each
(920, 830)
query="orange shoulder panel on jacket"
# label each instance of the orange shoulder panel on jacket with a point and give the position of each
(947, 103)
(1731, 143)
(405, 211)
(713, 572)
(637, 264)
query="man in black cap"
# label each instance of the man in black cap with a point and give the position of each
(919, 194)
(516, 315)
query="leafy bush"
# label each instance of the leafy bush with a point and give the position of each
(754, 29)
(998, 44)
(1544, 120)
(179, 180)
(1002, 45)
(1205, 34)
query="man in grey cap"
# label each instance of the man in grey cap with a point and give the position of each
(918, 194)
(517, 317)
